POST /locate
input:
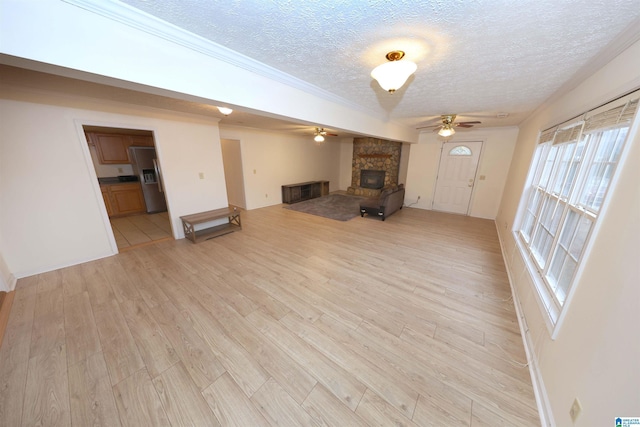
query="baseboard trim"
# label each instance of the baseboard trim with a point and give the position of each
(539, 390)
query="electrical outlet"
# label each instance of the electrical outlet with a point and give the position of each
(201, 175)
(575, 410)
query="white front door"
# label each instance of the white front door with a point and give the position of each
(456, 176)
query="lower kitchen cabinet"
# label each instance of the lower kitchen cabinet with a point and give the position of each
(107, 201)
(123, 199)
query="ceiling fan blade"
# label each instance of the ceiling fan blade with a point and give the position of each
(469, 123)
(463, 125)
(330, 134)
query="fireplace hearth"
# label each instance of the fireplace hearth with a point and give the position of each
(372, 179)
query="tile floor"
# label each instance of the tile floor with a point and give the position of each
(137, 230)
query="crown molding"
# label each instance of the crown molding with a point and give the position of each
(140, 20)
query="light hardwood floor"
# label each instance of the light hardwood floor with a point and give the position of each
(136, 230)
(296, 320)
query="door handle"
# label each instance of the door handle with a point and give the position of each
(471, 182)
(159, 177)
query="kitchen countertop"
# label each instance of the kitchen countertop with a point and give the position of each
(117, 180)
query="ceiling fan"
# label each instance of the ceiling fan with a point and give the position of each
(448, 123)
(320, 134)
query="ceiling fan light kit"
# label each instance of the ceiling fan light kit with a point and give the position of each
(393, 74)
(447, 125)
(318, 138)
(446, 131)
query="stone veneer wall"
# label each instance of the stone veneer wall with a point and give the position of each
(374, 154)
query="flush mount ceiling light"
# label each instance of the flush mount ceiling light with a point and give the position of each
(393, 74)
(226, 111)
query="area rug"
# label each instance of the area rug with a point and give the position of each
(340, 207)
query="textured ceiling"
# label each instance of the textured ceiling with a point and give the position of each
(475, 57)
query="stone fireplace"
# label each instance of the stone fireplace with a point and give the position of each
(374, 157)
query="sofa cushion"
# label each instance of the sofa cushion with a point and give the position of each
(385, 193)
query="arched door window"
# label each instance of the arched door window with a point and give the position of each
(460, 150)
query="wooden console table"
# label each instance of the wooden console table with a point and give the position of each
(294, 193)
(190, 221)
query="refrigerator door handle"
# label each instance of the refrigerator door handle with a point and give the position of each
(158, 176)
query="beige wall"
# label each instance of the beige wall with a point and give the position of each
(497, 149)
(51, 210)
(233, 173)
(272, 159)
(346, 158)
(595, 355)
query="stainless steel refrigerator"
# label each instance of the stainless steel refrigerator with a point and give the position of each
(145, 166)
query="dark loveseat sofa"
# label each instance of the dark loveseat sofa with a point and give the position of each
(389, 201)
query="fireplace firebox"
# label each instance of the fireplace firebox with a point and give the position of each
(371, 179)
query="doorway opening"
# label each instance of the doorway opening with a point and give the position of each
(233, 172)
(131, 184)
(456, 176)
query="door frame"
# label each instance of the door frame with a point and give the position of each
(475, 175)
(79, 124)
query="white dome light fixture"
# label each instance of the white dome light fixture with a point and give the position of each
(393, 74)
(224, 110)
(318, 138)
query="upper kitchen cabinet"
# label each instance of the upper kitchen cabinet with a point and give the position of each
(111, 148)
(142, 141)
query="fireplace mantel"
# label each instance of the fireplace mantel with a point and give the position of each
(375, 156)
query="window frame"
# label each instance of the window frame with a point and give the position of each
(553, 310)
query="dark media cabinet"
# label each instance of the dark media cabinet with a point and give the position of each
(294, 193)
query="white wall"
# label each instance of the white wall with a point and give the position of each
(497, 149)
(595, 356)
(346, 163)
(273, 159)
(403, 168)
(51, 210)
(233, 173)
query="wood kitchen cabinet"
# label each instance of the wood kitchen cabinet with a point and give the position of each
(112, 149)
(107, 201)
(123, 199)
(141, 141)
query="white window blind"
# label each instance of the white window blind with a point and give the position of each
(571, 173)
